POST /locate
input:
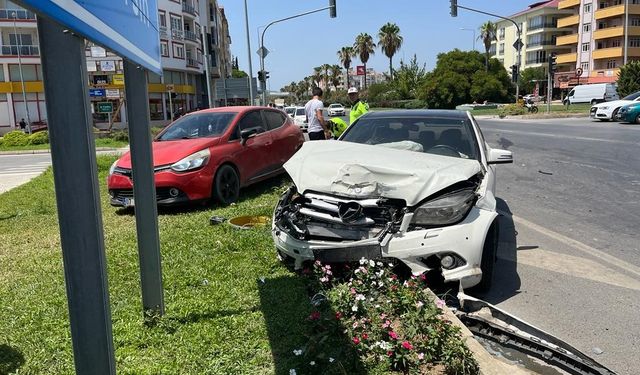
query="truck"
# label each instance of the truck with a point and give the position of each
(594, 93)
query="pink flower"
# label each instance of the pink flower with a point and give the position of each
(318, 263)
(440, 303)
(420, 356)
(355, 325)
(407, 345)
(394, 277)
(423, 277)
(314, 315)
(356, 340)
(365, 336)
(383, 315)
(393, 335)
(389, 353)
(386, 324)
(338, 315)
(353, 291)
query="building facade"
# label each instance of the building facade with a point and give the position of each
(189, 29)
(605, 34)
(540, 30)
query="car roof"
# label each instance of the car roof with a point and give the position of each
(429, 113)
(236, 109)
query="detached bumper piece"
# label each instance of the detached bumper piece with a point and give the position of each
(164, 196)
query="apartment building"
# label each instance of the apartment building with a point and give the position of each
(183, 25)
(605, 34)
(539, 31)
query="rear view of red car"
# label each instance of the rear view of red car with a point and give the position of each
(211, 154)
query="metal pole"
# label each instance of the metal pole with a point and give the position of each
(549, 90)
(626, 30)
(144, 190)
(205, 49)
(250, 78)
(73, 156)
(24, 93)
(518, 66)
(170, 106)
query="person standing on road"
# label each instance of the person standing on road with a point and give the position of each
(23, 125)
(313, 110)
(358, 107)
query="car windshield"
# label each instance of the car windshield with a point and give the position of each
(335, 106)
(435, 135)
(300, 112)
(197, 125)
(633, 96)
(289, 110)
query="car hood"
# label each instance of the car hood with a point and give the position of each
(615, 103)
(360, 171)
(169, 152)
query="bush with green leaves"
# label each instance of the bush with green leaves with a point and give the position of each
(120, 135)
(16, 138)
(1, 141)
(629, 78)
(39, 138)
(511, 110)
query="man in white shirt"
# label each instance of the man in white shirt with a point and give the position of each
(313, 109)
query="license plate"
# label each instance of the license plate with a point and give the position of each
(128, 202)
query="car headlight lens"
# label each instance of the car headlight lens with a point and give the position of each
(192, 161)
(113, 167)
(604, 108)
(446, 209)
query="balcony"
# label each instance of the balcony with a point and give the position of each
(609, 32)
(607, 53)
(177, 34)
(612, 11)
(188, 8)
(534, 61)
(541, 26)
(192, 63)
(16, 14)
(163, 32)
(567, 58)
(540, 43)
(23, 50)
(568, 4)
(567, 39)
(190, 35)
(569, 21)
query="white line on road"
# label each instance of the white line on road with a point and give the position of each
(550, 135)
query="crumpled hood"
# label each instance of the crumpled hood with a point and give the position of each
(169, 152)
(361, 171)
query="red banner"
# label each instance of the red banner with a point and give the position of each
(360, 70)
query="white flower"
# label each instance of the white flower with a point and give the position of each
(384, 345)
(331, 360)
(357, 270)
(363, 261)
(324, 279)
(380, 283)
(293, 372)
(419, 304)
(360, 297)
(297, 352)
(390, 264)
(377, 306)
(354, 308)
(355, 325)
(380, 264)
(372, 263)
(370, 299)
(440, 303)
(312, 363)
(262, 279)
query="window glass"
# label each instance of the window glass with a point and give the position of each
(274, 119)
(252, 120)
(199, 125)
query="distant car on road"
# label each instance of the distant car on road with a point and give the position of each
(300, 118)
(290, 111)
(533, 98)
(211, 154)
(336, 109)
(630, 113)
(609, 110)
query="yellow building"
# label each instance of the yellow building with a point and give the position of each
(540, 29)
(605, 34)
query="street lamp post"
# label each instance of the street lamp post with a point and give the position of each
(474, 36)
(246, 20)
(24, 92)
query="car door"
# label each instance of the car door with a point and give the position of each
(252, 158)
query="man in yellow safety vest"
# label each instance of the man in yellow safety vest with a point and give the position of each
(358, 107)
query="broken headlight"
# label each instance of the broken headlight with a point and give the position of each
(445, 209)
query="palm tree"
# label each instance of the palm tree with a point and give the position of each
(325, 77)
(390, 41)
(336, 75)
(345, 54)
(487, 35)
(317, 76)
(364, 47)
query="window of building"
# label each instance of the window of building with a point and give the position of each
(584, 66)
(587, 8)
(585, 47)
(501, 33)
(164, 48)
(635, 21)
(162, 19)
(501, 49)
(634, 42)
(615, 43)
(602, 25)
(30, 72)
(178, 50)
(176, 22)
(586, 27)
(20, 39)
(611, 64)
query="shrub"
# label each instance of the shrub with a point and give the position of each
(39, 138)
(16, 138)
(1, 141)
(511, 110)
(415, 104)
(120, 135)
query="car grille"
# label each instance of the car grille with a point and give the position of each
(127, 171)
(162, 193)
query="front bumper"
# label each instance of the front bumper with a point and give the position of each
(601, 114)
(336, 113)
(416, 248)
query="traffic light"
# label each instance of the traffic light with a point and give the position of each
(266, 75)
(553, 65)
(454, 8)
(261, 76)
(332, 8)
(514, 73)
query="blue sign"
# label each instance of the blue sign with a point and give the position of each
(97, 92)
(127, 27)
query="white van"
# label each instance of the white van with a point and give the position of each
(594, 93)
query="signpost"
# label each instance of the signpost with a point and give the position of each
(105, 107)
(130, 29)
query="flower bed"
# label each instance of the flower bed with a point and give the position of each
(393, 325)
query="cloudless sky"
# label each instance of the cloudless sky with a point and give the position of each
(298, 45)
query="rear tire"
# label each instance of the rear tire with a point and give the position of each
(637, 119)
(489, 257)
(594, 102)
(226, 185)
(534, 109)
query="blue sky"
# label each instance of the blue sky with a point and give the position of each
(300, 44)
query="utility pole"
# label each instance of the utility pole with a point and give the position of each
(24, 93)
(250, 79)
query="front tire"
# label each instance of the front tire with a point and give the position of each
(489, 256)
(226, 185)
(534, 109)
(614, 114)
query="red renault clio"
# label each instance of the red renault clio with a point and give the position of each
(211, 154)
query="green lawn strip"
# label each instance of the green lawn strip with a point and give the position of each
(100, 142)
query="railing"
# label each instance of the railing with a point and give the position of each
(188, 8)
(16, 14)
(542, 25)
(163, 31)
(190, 35)
(192, 62)
(536, 61)
(24, 50)
(176, 34)
(541, 43)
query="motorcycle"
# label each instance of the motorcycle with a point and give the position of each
(531, 106)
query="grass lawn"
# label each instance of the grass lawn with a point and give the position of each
(100, 142)
(581, 108)
(220, 317)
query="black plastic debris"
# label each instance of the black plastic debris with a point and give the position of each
(215, 220)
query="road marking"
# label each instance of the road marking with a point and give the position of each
(578, 245)
(551, 135)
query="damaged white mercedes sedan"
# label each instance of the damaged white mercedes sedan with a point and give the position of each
(417, 186)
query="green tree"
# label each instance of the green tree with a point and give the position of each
(409, 78)
(629, 78)
(325, 76)
(237, 73)
(531, 74)
(390, 41)
(317, 76)
(364, 47)
(336, 76)
(487, 35)
(345, 54)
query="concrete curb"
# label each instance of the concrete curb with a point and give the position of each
(542, 116)
(48, 151)
(489, 365)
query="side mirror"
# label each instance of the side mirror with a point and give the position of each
(246, 134)
(497, 156)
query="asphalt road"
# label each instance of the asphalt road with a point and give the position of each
(16, 170)
(569, 257)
